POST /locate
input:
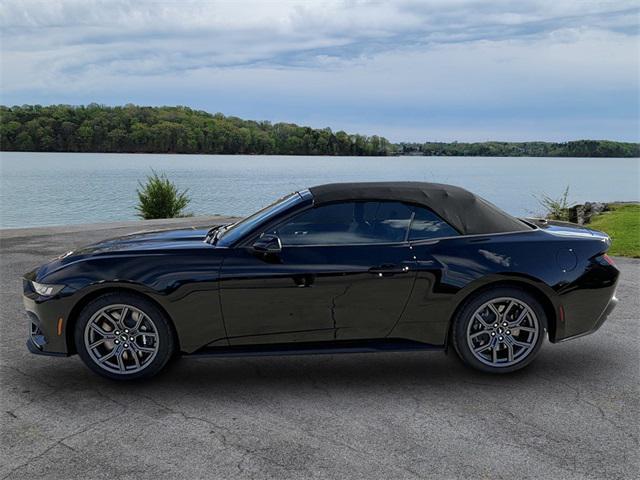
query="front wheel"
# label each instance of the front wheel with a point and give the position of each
(500, 330)
(123, 336)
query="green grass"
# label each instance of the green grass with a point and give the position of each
(622, 224)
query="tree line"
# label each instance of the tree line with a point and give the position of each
(136, 129)
(578, 148)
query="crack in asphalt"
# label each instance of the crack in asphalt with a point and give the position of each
(58, 442)
(579, 399)
(257, 451)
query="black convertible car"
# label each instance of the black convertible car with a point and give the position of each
(335, 268)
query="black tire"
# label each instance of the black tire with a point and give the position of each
(163, 349)
(461, 331)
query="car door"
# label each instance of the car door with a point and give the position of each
(345, 271)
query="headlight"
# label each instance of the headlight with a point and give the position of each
(46, 290)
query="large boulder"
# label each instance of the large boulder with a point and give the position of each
(582, 213)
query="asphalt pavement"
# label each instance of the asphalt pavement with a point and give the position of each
(574, 413)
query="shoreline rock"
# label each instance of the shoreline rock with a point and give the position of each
(582, 213)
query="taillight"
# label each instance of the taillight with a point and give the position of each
(609, 260)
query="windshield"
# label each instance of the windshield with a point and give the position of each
(232, 233)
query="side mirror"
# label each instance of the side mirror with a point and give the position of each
(267, 243)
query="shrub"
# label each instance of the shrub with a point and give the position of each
(160, 198)
(556, 208)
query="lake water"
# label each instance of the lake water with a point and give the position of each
(39, 189)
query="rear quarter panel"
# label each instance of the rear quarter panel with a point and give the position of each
(562, 268)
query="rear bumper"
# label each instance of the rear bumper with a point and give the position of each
(612, 304)
(601, 319)
(585, 301)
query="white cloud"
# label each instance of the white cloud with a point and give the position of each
(334, 62)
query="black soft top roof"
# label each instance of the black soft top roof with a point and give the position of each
(467, 212)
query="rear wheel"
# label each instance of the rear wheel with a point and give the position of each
(499, 330)
(123, 336)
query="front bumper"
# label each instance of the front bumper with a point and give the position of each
(35, 349)
(46, 322)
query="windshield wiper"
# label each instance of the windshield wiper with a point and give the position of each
(212, 234)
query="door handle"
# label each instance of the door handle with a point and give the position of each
(385, 270)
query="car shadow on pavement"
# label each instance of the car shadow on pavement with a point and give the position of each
(340, 372)
(343, 372)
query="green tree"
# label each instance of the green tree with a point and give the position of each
(160, 198)
(132, 128)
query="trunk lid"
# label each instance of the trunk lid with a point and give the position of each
(568, 229)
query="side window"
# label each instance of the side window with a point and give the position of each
(347, 223)
(392, 221)
(427, 225)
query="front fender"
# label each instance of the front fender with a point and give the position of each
(184, 285)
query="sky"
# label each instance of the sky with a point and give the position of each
(432, 70)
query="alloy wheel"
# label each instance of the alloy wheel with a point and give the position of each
(503, 332)
(121, 339)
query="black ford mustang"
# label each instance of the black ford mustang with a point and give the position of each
(335, 268)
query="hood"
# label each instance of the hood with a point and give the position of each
(149, 240)
(146, 242)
